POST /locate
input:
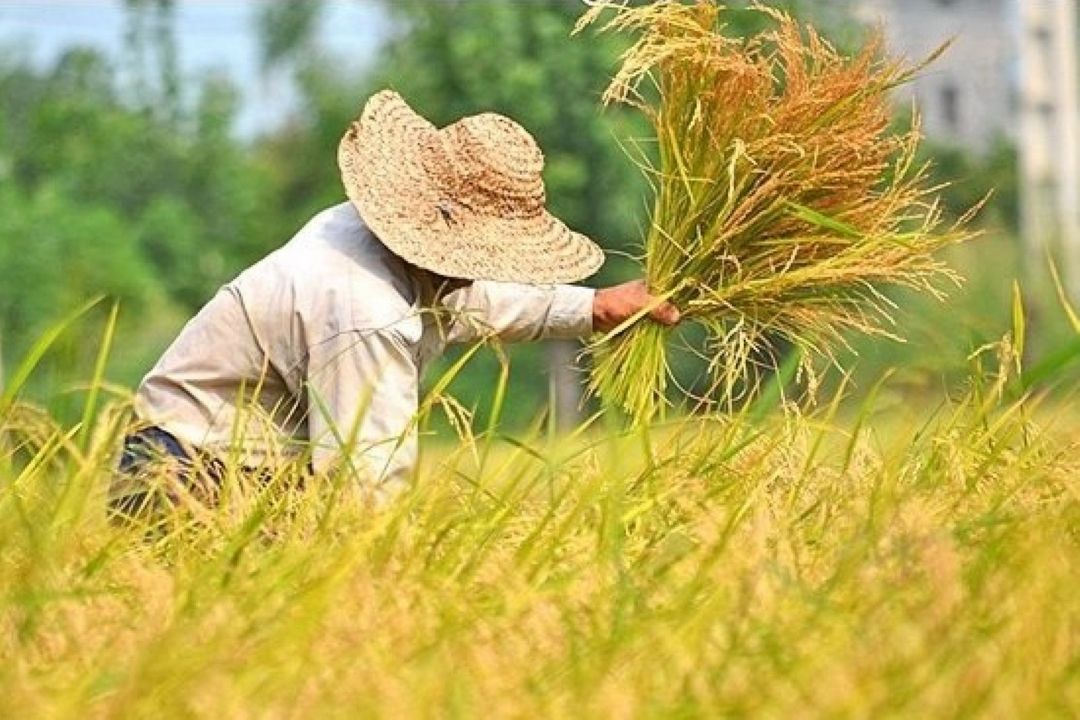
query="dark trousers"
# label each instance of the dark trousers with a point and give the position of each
(143, 447)
(155, 469)
(152, 466)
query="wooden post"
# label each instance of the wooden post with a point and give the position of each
(564, 384)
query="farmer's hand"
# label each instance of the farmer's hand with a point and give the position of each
(614, 305)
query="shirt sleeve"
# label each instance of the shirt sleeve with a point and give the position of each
(518, 313)
(363, 389)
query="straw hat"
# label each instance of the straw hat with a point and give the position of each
(464, 201)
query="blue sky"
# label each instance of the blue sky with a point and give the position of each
(213, 35)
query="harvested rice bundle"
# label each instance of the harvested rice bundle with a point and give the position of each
(783, 201)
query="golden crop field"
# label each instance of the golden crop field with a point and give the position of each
(842, 487)
(870, 561)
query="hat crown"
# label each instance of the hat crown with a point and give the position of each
(465, 201)
(498, 143)
(493, 165)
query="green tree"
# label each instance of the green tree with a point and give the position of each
(54, 259)
(152, 58)
(286, 29)
(102, 196)
(72, 129)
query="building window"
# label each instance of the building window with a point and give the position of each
(950, 107)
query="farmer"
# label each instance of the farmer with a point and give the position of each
(317, 350)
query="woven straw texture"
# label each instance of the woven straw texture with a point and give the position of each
(464, 201)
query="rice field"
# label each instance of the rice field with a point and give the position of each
(881, 551)
(862, 558)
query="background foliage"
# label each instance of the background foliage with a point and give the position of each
(131, 179)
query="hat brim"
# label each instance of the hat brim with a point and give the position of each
(385, 178)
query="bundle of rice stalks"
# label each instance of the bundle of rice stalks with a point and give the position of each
(784, 203)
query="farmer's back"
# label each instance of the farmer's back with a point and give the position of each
(244, 368)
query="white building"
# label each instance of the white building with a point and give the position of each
(968, 96)
(1011, 73)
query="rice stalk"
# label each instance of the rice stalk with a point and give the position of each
(908, 561)
(784, 202)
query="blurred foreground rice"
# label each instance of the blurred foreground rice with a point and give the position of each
(875, 560)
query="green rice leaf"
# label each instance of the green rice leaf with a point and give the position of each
(823, 221)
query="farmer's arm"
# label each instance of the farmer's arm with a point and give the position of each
(362, 397)
(516, 313)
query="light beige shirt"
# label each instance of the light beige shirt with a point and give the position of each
(322, 343)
